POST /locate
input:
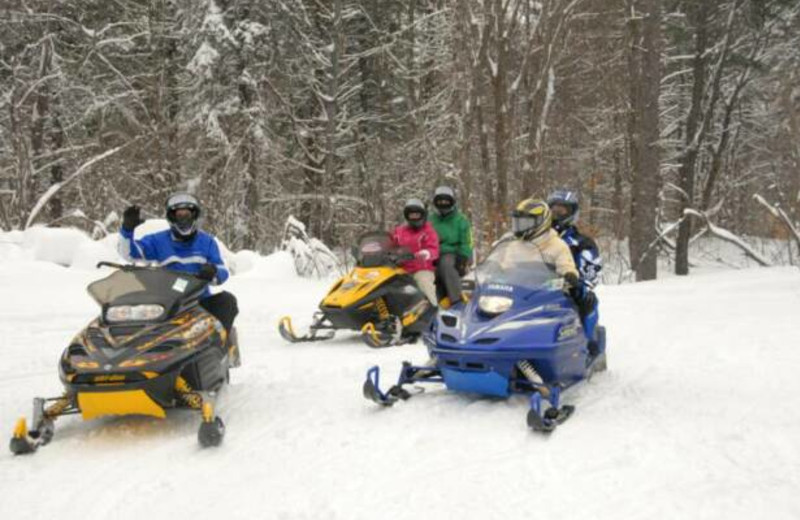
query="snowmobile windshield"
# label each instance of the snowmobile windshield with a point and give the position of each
(145, 286)
(518, 263)
(375, 249)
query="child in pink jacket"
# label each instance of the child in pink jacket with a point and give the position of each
(418, 236)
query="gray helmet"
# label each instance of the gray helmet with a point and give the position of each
(415, 207)
(183, 228)
(444, 200)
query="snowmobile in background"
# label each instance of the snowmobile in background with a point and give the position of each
(377, 298)
(519, 333)
(153, 347)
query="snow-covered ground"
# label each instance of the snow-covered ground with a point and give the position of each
(697, 417)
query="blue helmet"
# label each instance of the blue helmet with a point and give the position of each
(566, 217)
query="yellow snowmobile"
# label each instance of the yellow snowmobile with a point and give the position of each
(152, 348)
(377, 298)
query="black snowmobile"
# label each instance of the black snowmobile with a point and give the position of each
(153, 347)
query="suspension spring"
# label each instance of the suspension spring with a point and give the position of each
(57, 408)
(383, 310)
(187, 395)
(531, 375)
(529, 372)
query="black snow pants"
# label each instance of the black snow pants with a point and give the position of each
(223, 307)
(448, 281)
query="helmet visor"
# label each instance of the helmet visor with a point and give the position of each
(443, 203)
(521, 224)
(415, 216)
(560, 210)
(183, 210)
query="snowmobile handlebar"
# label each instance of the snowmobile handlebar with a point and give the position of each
(114, 265)
(133, 267)
(401, 256)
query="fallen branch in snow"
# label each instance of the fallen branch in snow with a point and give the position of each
(311, 256)
(726, 235)
(781, 215)
(55, 188)
(662, 239)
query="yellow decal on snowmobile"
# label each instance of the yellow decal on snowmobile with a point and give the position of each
(127, 402)
(357, 284)
(135, 362)
(86, 364)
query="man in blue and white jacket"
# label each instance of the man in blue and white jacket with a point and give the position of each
(565, 208)
(183, 247)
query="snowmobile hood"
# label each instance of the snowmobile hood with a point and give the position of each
(357, 284)
(532, 322)
(112, 354)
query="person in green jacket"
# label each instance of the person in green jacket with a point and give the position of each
(455, 245)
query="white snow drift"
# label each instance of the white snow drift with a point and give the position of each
(695, 419)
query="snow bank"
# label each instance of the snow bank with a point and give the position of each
(278, 266)
(11, 246)
(66, 247)
(706, 254)
(69, 247)
(682, 426)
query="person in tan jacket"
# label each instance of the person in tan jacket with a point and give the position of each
(532, 220)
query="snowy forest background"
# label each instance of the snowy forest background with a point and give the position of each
(668, 116)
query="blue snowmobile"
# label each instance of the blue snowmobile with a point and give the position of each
(520, 332)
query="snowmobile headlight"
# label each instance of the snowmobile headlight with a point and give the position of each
(494, 304)
(120, 313)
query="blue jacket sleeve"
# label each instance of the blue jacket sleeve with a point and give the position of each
(132, 249)
(214, 257)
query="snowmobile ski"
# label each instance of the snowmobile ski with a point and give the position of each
(287, 332)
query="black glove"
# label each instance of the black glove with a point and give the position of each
(571, 280)
(589, 301)
(462, 265)
(131, 217)
(207, 272)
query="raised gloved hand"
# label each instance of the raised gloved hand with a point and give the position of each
(131, 217)
(423, 254)
(571, 279)
(207, 272)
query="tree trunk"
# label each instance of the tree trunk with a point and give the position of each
(643, 127)
(698, 15)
